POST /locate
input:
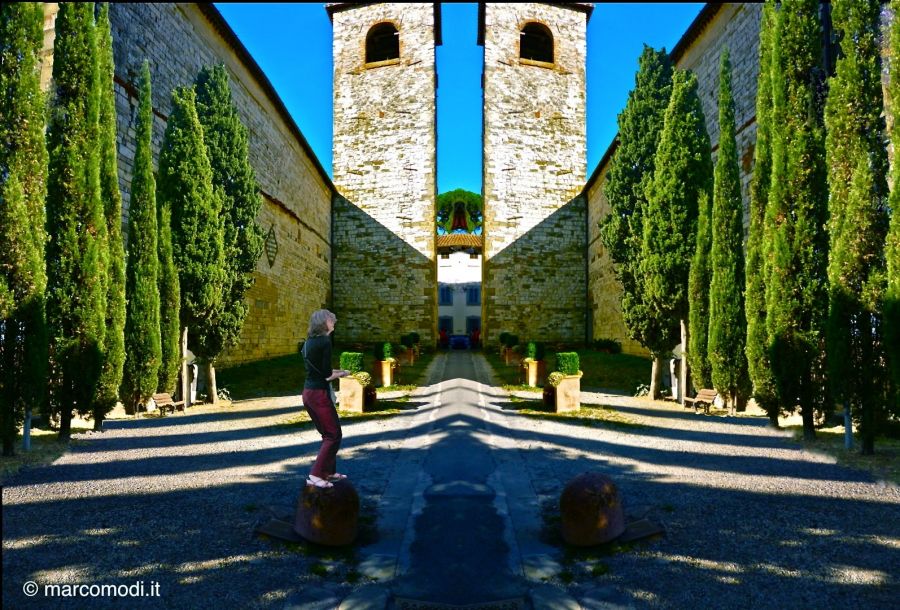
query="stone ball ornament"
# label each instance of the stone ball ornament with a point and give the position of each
(591, 510)
(328, 516)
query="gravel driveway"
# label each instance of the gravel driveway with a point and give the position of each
(752, 520)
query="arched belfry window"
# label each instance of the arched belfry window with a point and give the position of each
(536, 43)
(382, 43)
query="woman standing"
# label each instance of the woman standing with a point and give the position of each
(317, 397)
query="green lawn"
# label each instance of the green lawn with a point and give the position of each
(884, 465)
(45, 448)
(284, 375)
(619, 372)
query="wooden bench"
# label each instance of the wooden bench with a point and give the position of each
(706, 397)
(165, 403)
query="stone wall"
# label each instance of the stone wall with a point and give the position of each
(385, 165)
(178, 40)
(534, 167)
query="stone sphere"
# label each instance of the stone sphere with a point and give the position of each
(591, 510)
(328, 516)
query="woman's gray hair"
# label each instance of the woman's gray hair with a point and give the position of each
(317, 320)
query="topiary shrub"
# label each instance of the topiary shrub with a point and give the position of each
(511, 340)
(554, 378)
(407, 341)
(567, 363)
(352, 362)
(535, 350)
(383, 351)
(608, 345)
(504, 338)
(415, 337)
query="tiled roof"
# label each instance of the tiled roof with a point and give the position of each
(460, 240)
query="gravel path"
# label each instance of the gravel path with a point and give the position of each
(752, 520)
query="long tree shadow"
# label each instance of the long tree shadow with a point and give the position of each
(196, 542)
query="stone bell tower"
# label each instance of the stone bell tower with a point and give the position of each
(385, 165)
(535, 158)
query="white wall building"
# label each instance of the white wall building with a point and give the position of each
(459, 292)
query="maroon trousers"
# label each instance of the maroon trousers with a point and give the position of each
(323, 414)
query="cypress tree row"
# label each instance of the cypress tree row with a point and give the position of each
(142, 336)
(698, 298)
(632, 166)
(892, 244)
(796, 245)
(23, 175)
(227, 145)
(186, 188)
(76, 290)
(758, 364)
(169, 304)
(114, 346)
(727, 330)
(683, 171)
(858, 221)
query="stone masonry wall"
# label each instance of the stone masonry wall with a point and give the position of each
(385, 165)
(534, 165)
(178, 40)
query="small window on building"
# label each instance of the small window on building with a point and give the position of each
(382, 43)
(536, 43)
(473, 295)
(445, 256)
(473, 323)
(445, 323)
(445, 295)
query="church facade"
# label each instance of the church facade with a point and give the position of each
(364, 243)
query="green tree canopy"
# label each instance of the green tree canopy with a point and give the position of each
(76, 286)
(858, 219)
(142, 329)
(796, 246)
(114, 343)
(632, 166)
(698, 289)
(727, 320)
(683, 171)
(185, 187)
(469, 205)
(23, 175)
(892, 244)
(758, 364)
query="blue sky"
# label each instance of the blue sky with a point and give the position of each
(291, 42)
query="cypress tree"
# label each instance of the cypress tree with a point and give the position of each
(796, 243)
(727, 320)
(76, 288)
(114, 347)
(142, 335)
(758, 365)
(632, 166)
(683, 172)
(23, 175)
(169, 303)
(858, 220)
(227, 145)
(892, 244)
(698, 288)
(186, 188)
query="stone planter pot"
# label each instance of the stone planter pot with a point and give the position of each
(384, 372)
(410, 356)
(531, 372)
(568, 394)
(351, 394)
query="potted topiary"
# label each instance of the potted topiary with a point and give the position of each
(510, 342)
(353, 386)
(415, 339)
(504, 338)
(408, 342)
(533, 363)
(567, 381)
(385, 363)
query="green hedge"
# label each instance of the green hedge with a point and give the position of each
(567, 363)
(609, 345)
(352, 361)
(407, 340)
(511, 340)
